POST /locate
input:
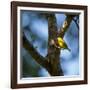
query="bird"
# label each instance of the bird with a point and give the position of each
(60, 43)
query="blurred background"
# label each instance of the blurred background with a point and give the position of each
(35, 26)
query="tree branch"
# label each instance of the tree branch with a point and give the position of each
(52, 26)
(65, 25)
(53, 53)
(32, 51)
(76, 23)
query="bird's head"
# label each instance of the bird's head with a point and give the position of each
(59, 39)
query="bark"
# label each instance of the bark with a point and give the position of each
(53, 53)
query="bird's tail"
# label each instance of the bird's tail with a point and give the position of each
(69, 49)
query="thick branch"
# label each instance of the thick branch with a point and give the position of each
(32, 51)
(52, 26)
(53, 53)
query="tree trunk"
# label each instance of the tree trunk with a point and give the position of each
(54, 66)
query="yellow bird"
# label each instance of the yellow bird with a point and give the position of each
(60, 43)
